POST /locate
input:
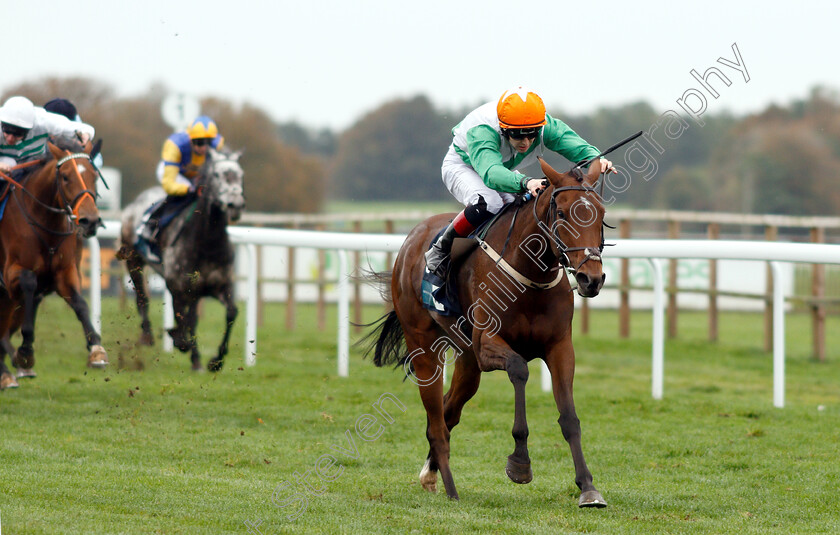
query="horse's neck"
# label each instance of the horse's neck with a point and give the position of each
(42, 187)
(529, 249)
(207, 228)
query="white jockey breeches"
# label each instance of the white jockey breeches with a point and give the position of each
(464, 183)
(180, 179)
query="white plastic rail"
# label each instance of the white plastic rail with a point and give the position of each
(654, 250)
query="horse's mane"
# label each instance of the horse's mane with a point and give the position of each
(67, 144)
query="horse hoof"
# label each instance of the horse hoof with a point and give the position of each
(7, 380)
(146, 340)
(519, 472)
(214, 365)
(23, 361)
(196, 367)
(98, 357)
(428, 478)
(26, 373)
(592, 498)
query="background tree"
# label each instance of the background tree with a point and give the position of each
(278, 178)
(394, 152)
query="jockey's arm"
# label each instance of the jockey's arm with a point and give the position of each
(559, 137)
(171, 156)
(59, 126)
(486, 158)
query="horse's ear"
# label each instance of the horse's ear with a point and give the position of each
(97, 147)
(56, 152)
(550, 173)
(236, 155)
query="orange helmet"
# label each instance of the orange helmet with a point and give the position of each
(520, 108)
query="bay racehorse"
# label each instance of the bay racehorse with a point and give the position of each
(49, 207)
(197, 255)
(518, 306)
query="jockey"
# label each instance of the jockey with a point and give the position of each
(64, 107)
(488, 148)
(26, 129)
(182, 156)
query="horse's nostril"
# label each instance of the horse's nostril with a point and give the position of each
(582, 279)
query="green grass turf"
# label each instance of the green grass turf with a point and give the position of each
(164, 450)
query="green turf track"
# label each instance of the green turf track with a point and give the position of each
(165, 450)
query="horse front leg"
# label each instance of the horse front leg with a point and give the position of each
(68, 288)
(226, 297)
(561, 363)
(25, 355)
(185, 309)
(496, 354)
(134, 263)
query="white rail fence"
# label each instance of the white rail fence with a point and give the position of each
(654, 250)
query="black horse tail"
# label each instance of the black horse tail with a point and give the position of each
(386, 341)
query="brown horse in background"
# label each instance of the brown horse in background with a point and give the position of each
(517, 309)
(39, 247)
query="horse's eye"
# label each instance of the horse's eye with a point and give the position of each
(561, 214)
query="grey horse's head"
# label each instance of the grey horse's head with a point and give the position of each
(223, 183)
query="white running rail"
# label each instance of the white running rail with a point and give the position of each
(653, 250)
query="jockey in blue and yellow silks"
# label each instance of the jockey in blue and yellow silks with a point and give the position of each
(182, 156)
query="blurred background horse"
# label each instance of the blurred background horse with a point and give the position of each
(197, 256)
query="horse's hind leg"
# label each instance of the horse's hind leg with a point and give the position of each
(428, 375)
(135, 265)
(7, 379)
(226, 297)
(561, 364)
(465, 381)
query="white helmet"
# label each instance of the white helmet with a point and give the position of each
(18, 111)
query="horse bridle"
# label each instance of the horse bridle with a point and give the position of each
(68, 209)
(551, 218)
(72, 207)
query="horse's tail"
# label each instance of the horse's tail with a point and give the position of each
(386, 341)
(380, 280)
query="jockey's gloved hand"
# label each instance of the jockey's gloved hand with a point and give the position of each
(535, 185)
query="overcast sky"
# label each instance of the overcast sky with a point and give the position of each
(327, 63)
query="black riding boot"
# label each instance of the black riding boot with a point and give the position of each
(438, 253)
(461, 226)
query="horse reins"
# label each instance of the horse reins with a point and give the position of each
(70, 208)
(563, 256)
(552, 213)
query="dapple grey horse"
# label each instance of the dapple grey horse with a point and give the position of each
(197, 256)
